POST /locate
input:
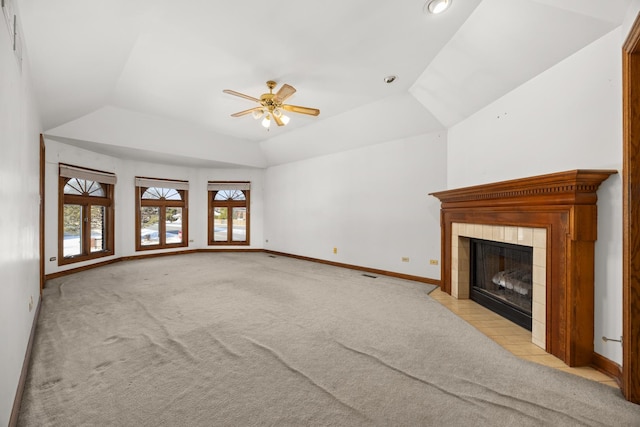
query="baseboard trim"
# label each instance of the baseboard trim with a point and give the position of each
(230, 250)
(17, 401)
(191, 251)
(156, 255)
(359, 268)
(607, 367)
(141, 256)
(79, 269)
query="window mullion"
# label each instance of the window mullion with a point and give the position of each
(162, 225)
(86, 229)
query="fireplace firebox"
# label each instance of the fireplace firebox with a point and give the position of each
(501, 279)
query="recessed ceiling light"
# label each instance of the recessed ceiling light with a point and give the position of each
(436, 6)
(390, 79)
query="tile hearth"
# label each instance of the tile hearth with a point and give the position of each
(512, 337)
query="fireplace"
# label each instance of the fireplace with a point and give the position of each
(534, 239)
(556, 214)
(501, 279)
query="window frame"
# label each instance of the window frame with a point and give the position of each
(162, 204)
(212, 204)
(86, 202)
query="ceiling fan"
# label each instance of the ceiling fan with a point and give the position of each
(272, 105)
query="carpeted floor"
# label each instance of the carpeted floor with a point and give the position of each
(242, 339)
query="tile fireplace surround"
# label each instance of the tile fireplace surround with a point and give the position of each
(556, 214)
(535, 238)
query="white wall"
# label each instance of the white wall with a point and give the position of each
(569, 117)
(19, 222)
(371, 203)
(126, 171)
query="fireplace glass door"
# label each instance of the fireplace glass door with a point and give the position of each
(501, 280)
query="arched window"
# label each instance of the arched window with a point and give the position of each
(161, 212)
(85, 214)
(229, 213)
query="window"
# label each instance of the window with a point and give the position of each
(229, 213)
(85, 216)
(161, 214)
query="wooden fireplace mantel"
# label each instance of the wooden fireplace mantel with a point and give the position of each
(564, 204)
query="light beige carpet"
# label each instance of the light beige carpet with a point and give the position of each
(242, 339)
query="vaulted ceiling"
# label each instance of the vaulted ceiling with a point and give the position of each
(118, 76)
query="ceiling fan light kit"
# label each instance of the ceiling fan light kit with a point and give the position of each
(272, 105)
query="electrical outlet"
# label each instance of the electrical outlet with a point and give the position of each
(335, 250)
(405, 259)
(30, 303)
(190, 240)
(433, 261)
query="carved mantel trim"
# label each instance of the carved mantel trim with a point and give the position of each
(565, 204)
(570, 187)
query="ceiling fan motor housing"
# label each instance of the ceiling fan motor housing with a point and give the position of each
(266, 99)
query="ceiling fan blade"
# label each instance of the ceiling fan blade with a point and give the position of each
(278, 120)
(241, 95)
(249, 111)
(301, 110)
(285, 92)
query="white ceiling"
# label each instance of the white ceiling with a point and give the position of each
(171, 60)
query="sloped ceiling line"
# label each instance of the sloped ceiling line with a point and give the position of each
(134, 63)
